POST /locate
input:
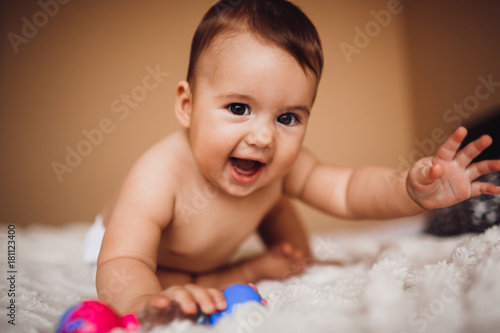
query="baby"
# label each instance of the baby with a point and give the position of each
(192, 198)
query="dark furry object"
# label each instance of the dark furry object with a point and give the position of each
(473, 215)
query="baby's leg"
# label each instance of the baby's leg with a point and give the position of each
(170, 278)
(280, 262)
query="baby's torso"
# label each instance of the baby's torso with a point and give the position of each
(208, 225)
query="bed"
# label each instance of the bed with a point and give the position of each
(393, 279)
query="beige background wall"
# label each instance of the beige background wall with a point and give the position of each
(450, 45)
(67, 77)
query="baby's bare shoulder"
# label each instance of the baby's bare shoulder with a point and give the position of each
(165, 159)
(153, 182)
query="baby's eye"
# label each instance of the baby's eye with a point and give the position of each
(288, 119)
(239, 109)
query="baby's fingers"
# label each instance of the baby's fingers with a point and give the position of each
(478, 188)
(427, 173)
(219, 299)
(483, 168)
(159, 310)
(209, 300)
(472, 150)
(184, 298)
(158, 302)
(449, 148)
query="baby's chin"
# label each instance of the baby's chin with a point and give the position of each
(233, 188)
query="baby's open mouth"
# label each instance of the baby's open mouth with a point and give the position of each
(245, 167)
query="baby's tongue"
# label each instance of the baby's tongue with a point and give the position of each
(246, 167)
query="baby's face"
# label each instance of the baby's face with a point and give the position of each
(250, 111)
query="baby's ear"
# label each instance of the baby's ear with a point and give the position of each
(183, 104)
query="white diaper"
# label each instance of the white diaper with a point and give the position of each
(92, 244)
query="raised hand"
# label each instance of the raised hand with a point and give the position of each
(449, 177)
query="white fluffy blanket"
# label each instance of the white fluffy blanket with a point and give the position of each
(411, 283)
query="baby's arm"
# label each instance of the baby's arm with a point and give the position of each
(127, 261)
(366, 192)
(127, 264)
(375, 192)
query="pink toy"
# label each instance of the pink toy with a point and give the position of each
(93, 317)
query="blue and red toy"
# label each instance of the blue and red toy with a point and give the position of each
(92, 316)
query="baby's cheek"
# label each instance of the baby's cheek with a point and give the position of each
(288, 158)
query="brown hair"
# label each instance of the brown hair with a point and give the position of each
(277, 21)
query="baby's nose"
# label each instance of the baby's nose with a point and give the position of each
(262, 137)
